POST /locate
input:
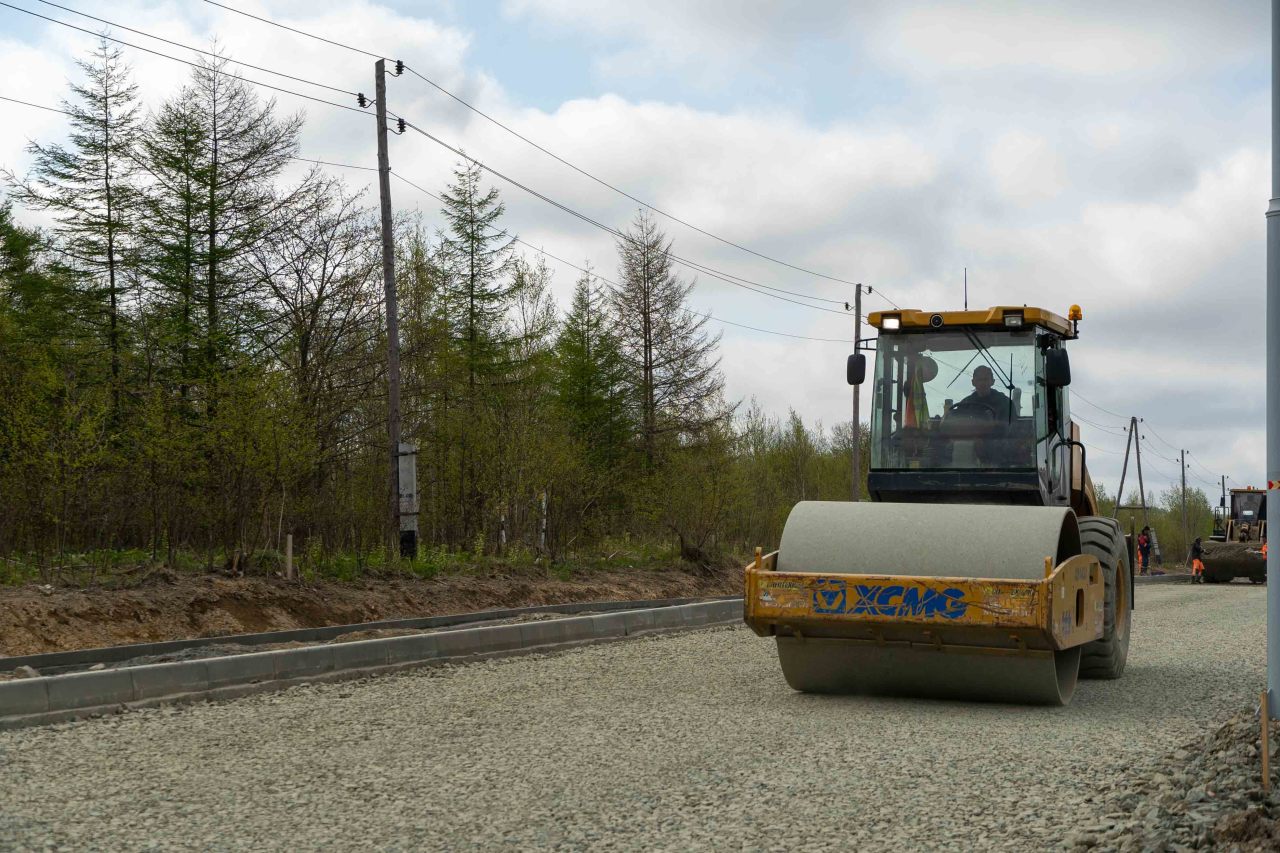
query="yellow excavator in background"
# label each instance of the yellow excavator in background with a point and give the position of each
(1234, 550)
(980, 569)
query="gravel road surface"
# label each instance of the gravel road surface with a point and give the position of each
(691, 741)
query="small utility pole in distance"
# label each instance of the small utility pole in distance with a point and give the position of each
(857, 429)
(1142, 486)
(393, 319)
(1124, 469)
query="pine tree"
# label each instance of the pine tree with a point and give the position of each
(89, 189)
(172, 149)
(479, 294)
(591, 377)
(674, 369)
(245, 147)
(479, 257)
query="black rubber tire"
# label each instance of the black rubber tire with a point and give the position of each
(1105, 658)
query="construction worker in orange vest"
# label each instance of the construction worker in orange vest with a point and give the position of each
(1197, 565)
(1143, 552)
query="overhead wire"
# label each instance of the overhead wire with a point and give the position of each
(1095, 424)
(715, 274)
(1076, 395)
(295, 30)
(1149, 428)
(557, 157)
(196, 49)
(625, 194)
(1145, 426)
(37, 106)
(208, 68)
(615, 284)
(517, 239)
(1103, 449)
(542, 251)
(1204, 467)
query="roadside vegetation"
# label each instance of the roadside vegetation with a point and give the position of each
(192, 366)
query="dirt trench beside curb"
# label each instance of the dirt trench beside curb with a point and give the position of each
(35, 619)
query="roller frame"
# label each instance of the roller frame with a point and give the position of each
(1034, 617)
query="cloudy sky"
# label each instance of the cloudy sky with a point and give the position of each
(1113, 155)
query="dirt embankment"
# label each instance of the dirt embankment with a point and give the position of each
(36, 619)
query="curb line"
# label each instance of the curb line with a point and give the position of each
(51, 662)
(60, 698)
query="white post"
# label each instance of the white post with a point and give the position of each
(542, 533)
(407, 481)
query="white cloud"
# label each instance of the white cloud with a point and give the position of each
(1025, 167)
(1063, 152)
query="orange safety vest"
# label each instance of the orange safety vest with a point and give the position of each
(917, 406)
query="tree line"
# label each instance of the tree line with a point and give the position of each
(192, 360)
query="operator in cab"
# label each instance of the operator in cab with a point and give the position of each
(986, 398)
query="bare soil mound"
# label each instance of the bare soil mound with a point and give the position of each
(36, 619)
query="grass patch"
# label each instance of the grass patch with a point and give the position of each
(131, 567)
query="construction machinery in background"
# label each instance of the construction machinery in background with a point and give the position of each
(980, 569)
(1234, 549)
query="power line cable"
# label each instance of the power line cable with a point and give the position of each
(615, 284)
(1078, 396)
(517, 239)
(295, 30)
(337, 165)
(1204, 467)
(187, 62)
(196, 49)
(1109, 429)
(37, 106)
(716, 274)
(560, 159)
(1149, 428)
(1103, 450)
(628, 195)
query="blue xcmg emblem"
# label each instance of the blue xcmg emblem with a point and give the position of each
(838, 597)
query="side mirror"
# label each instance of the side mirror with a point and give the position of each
(856, 370)
(1057, 368)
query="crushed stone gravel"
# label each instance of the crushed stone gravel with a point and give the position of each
(1206, 794)
(686, 742)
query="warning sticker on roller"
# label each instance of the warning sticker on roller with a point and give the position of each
(788, 597)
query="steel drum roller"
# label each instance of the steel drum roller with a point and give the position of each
(927, 540)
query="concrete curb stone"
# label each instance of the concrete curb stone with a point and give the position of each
(57, 698)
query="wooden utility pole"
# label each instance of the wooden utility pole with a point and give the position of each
(1124, 469)
(393, 319)
(1137, 455)
(857, 430)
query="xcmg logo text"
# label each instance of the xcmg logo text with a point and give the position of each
(836, 596)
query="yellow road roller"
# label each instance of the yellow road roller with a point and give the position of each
(980, 569)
